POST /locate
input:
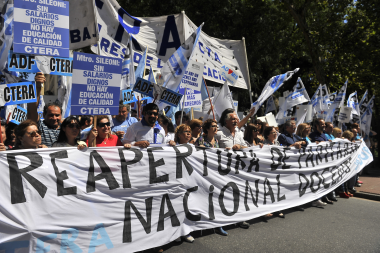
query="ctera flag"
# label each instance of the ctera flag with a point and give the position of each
(338, 102)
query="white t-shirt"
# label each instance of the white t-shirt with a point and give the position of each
(226, 140)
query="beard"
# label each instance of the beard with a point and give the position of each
(151, 120)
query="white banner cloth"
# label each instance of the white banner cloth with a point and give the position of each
(119, 200)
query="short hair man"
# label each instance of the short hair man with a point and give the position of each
(122, 121)
(329, 131)
(86, 121)
(50, 125)
(146, 131)
(177, 117)
(289, 138)
(319, 131)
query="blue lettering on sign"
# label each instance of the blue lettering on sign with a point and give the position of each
(10, 247)
(214, 71)
(104, 239)
(217, 57)
(208, 51)
(137, 57)
(209, 72)
(68, 243)
(40, 247)
(159, 64)
(148, 59)
(170, 28)
(200, 47)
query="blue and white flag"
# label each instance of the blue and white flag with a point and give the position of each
(40, 107)
(363, 98)
(325, 100)
(6, 33)
(128, 78)
(332, 97)
(338, 102)
(298, 96)
(366, 119)
(316, 101)
(271, 87)
(364, 102)
(64, 94)
(270, 105)
(353, 103)
(175, 67)
(141, 67)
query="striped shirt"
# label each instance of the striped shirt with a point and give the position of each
(48, 135)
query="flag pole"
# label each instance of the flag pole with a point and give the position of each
(146, 56)
(183, 104)
(95, 119)
(246, 65)
(212, 108)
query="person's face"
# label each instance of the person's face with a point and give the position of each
(306, 131)
(197, 130)
(329, 128)
(134, 114)
(3, 135)
(272, 135)
(232, 121)
(213, 128)
(103, 128)
(53, 116)
(31, 138)
(292, 128)
(354, 131)
(72, 130)
(321, 125)
(123, 114)
(151, 117)
(90, 122)
(255, 132)
(13, 137)
(338, 135)
(185, 136)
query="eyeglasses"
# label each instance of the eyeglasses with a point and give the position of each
(150, 113)
(104, 124)
(34, 133)
(71, 125)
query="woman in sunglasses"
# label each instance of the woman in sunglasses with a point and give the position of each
(28, 135)
(251, 136)
(196, 129)
(69, 134)
(102, 134)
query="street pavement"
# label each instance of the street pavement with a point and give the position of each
(349, 225)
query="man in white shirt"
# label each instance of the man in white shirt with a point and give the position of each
(229, 136)
(147, 131)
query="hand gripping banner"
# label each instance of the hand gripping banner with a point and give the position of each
(124, 200)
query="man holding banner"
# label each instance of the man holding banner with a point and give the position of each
(50, 125)
(122, 121)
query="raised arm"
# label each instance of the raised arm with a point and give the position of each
(32, 107)
(245, 120)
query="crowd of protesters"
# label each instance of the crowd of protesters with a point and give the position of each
(155, 128)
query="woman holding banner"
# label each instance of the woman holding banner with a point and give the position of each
(303, 131)
(69, 134)
(251, 136)
(196, 129)
(103, 136)
(28, 136)
(210, 128)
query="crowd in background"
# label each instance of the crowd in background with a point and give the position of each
(127, 129)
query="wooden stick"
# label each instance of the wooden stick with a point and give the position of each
(154, 100)
(1, 135)
(138, 107)
(9, 116)
(212, 108)
(95, 119)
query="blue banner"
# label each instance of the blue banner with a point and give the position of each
(170, 97)
(41, 28)
(39, 63)
(17, 93)
(19, 114)
(144, 87)
(128, 96)
(96, 85)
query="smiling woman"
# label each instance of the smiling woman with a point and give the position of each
(69, 134)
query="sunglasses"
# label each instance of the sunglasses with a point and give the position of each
(71, 125)
(34, 133)
(150, 113)
(186, 132)
(104, 124)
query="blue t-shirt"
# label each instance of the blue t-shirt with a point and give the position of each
(286, 139)
(329, 136)
(122, 126)
(317, 136)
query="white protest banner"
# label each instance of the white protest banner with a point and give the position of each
(271, 120)
(271, 87)
(300, 109)
(193, 98)
(316, 101)
(96, 85)
(228, 74)
(83, 31)
(17, 93)
(223, 100)
(40, 63)
(126, 200)
(18, 115)
(41, 28)
(345, 114)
